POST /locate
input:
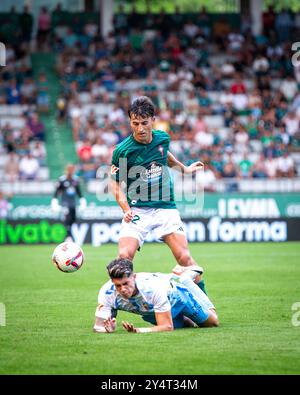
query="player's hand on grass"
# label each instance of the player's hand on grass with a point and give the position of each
(128, 215)
(110, 324)
(129, 327)
(194, 167)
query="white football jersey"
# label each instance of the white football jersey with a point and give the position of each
(154, 295)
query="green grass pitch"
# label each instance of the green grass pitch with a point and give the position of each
(50, 314)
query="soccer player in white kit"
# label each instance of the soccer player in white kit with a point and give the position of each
(158, 298)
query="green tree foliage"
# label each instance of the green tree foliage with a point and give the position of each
(194, 5)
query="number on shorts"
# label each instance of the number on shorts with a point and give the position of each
(135, 218)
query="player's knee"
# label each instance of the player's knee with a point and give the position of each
(184, 258)
(125, 253)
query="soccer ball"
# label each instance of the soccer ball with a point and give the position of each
(68, 257)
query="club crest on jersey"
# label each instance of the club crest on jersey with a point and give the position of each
(154, 171)
(161, 150)
(114, 169)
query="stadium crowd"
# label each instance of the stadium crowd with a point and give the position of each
(226, 97)
(23, 96)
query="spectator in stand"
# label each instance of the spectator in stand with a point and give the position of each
(283, 25)
(44, 28)
(91, 29)
(260, 65)
(13, 93)
(192, 104)
(218, 163)
(22, 138)
(100, 150)
(269, 17)
(289, 88)
(292, 123)
(245, 167)
(5, 206)
(29, 167)
(240, 102)
(204, 22)
(28, 91)
(36, 126)
(2, 91)
(85, 151)
(271, 166)
(43, 93)
(38, 151)
(116, 114)
(221, 29)
(26, 23)
(241, 138)
(190, 29)
(259, 168)
(133, 18)
(209, 178)
(230, 172)
(88, 170)
(227, 69)
(204, 139)
(238, 85)
(177, 18)
(61, 105)
(11, 167)
(120, 19)
(235, 41)
(7, 137)
(285, 166)
(109, 137)
(297, 24)
(76, 117)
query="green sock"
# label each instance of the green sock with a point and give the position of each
(201, 285)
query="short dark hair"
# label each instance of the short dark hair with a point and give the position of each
(142, 106)
(119, 268)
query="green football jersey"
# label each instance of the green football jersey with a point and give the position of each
(144, 169)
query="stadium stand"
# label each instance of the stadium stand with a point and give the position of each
(225, 96)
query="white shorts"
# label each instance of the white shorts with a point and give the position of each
(159, 221)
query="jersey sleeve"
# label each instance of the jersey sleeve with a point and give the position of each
(161, 302)
(165, 138)
(114, 169)
(105, 308)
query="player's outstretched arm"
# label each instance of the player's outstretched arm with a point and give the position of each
(179, 166)
(164, 323)
(122, 200)
(105, 326)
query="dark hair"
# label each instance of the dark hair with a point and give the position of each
(142, 107)
(119, 268)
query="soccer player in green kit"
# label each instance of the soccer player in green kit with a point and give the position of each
(141, 161)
